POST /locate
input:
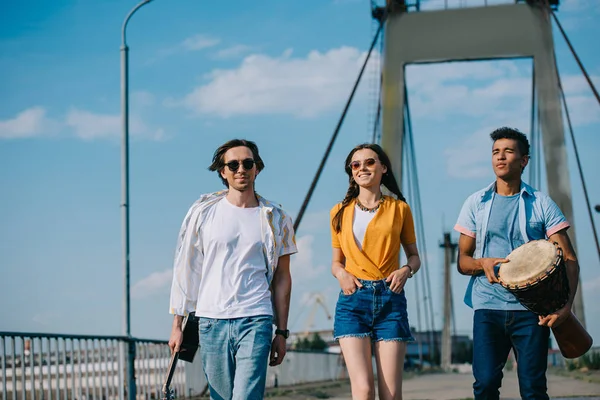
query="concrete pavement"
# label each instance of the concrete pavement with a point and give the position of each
(459, 386)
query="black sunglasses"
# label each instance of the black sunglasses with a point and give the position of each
(369, 162)
(233, 166)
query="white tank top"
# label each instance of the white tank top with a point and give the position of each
(360, 223)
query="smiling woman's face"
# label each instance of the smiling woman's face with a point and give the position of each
(367, 170)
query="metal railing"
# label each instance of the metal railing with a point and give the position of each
(56, 366)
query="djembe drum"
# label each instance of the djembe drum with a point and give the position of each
(537, 276)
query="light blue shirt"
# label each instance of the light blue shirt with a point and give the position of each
(502, 236)
(538, 218)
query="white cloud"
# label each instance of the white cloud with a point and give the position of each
(577, 84)
(83, 124)
(233, 51)
(473, 89)
(303, 87)
(583, 107)
(28, 123)
(199, 42)
(583, 110)
(190, 44)
(504, 88)
(432, 75)
(315, 221)
(88, 126)
(302, 263)
(477, 164)
(495, 94)
(142, 99)
(321, 81)
(156, 282)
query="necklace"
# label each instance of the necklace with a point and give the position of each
(371, 210)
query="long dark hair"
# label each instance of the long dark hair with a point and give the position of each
(388, 180)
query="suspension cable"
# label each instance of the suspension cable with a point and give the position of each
(579, 168)
(419, 211)
(533, 171)
(375, 138)
(587, 77)
(335, 134)
(419, 278)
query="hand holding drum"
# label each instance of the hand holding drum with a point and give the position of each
(536, 275)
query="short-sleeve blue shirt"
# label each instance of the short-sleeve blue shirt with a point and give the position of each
(538, 218)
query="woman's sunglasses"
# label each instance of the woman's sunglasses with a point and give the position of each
(356, 165)
(233, 166)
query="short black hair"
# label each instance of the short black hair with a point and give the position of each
(218, 163)
(515, 134)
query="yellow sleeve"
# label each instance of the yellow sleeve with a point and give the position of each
(335, 239)
(407, 235)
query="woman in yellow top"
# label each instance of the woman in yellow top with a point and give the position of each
(367, 230)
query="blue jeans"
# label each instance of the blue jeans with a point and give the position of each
(372, 311)
(495, 332)
(235, 354)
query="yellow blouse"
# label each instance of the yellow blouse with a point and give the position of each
(391, 226)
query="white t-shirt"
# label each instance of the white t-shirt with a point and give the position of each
(234, 274)
(360, 223)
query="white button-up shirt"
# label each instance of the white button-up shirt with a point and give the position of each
(277, 235)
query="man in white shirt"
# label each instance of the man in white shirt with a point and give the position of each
(232, 268)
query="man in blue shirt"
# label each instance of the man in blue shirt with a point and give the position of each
(493, 222)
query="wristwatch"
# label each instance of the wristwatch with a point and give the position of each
(412, 273)
(283, 332)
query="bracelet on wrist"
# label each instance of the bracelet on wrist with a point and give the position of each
(411, 273)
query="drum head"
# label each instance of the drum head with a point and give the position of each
(528, 263)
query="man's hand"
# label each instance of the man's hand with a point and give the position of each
(278, 350)
(397, 279)
(176, 339)
(555, 319)
(488, 264)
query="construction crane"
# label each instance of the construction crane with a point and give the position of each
(315, 301)
(318, 300)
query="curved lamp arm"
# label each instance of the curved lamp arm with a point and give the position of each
(124, 28)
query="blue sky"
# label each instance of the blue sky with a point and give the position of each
(276, 72)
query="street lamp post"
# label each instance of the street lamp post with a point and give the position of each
(131, 386)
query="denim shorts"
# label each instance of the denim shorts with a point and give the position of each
(372, 311)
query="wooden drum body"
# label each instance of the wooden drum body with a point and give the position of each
(536, 274)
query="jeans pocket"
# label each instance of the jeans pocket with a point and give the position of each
(389, 290)
(342, 294)
(261, 321)
(206, 324)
